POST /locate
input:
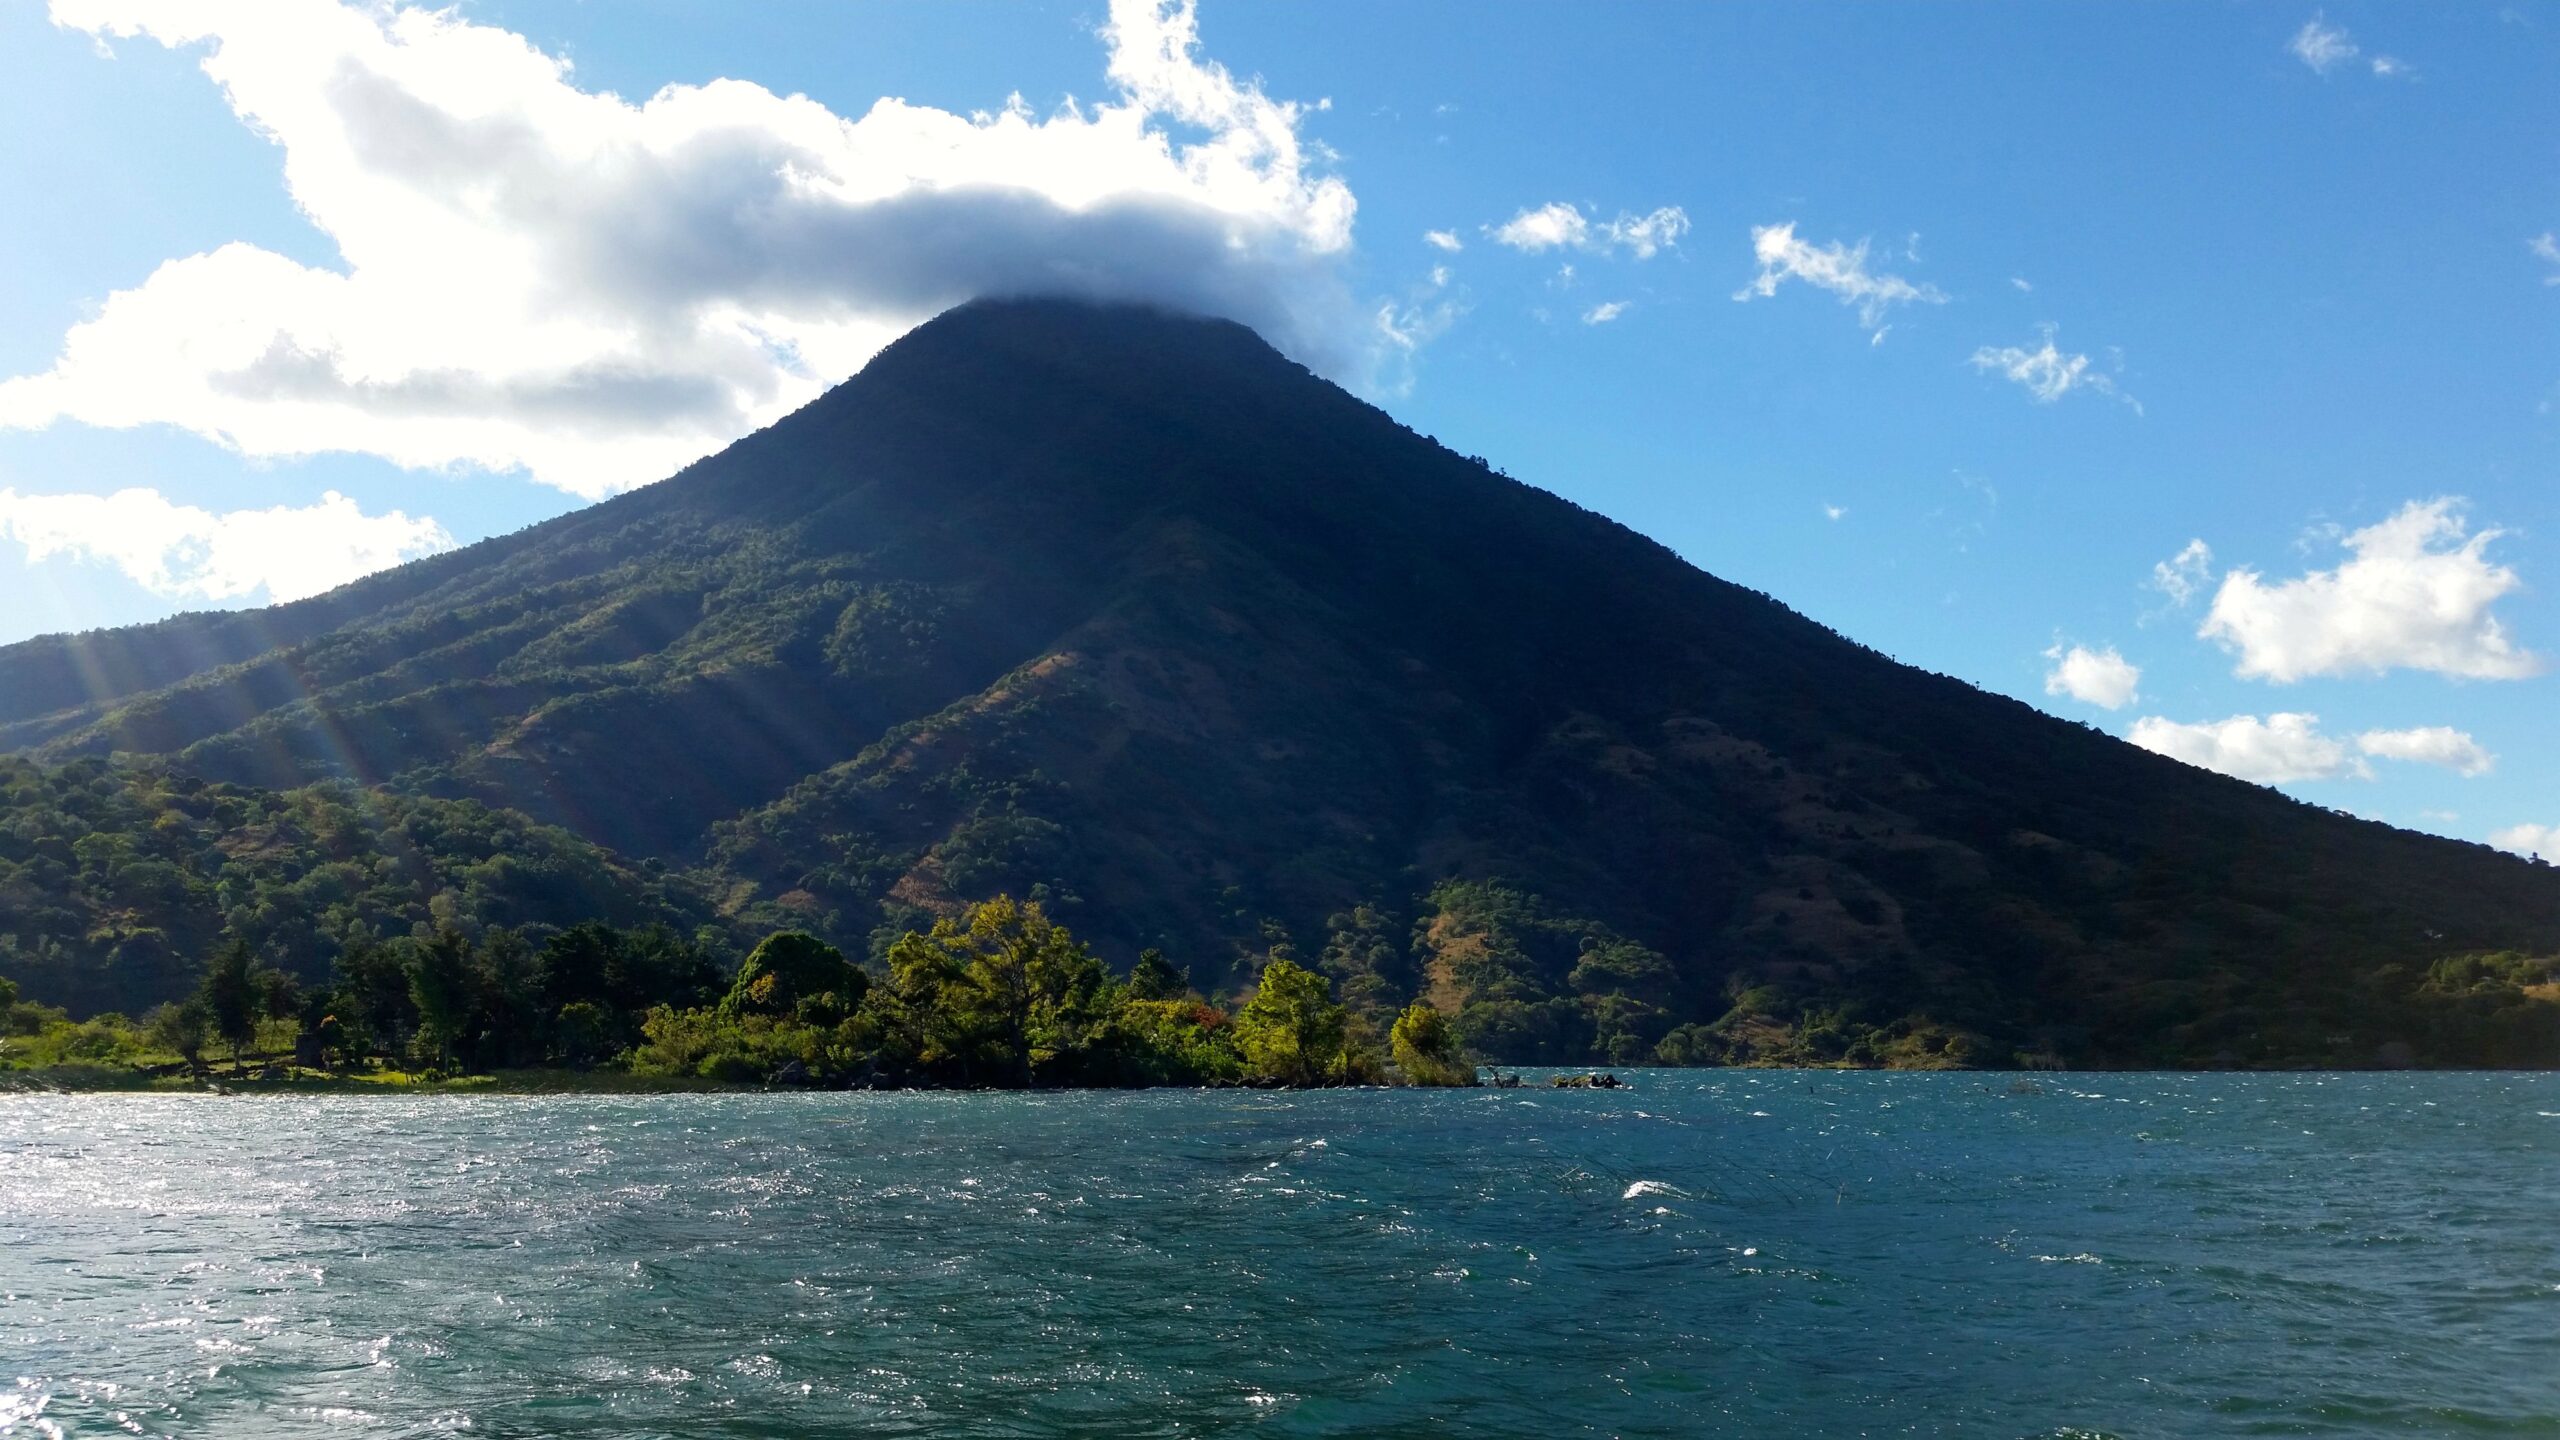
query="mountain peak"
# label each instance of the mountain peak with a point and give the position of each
(1124, 609)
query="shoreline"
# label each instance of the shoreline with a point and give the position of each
(107, 1080)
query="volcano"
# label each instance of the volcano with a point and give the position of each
(1128, 612)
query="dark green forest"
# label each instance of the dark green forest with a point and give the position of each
(1001, 998)
(1128, 615)
(118, 884)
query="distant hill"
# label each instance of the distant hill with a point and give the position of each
(1129, 611)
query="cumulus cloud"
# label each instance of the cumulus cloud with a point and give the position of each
(1560, 226)
(2321, 45)
(2430, 745)
(2546, 246)
(2183, 576)
(2286, 747)
(1604, 312)
(2281, 749)
(1836, 267)
(181, 552)
(2528, 839)
(2415, 594)
(2324, 47)
(2048, 372)
(1646, 236)
(1549, 227)
(2093, 677)
(539, 276)
(1443, 240)
(1834, 512)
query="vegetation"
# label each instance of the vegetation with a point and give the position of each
(118, 881)
(1002, 997)
(1129, 616)
(1426, 1048)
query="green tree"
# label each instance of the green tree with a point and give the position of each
(439, 970)
(584, 1033)
(180, 1029)
(1004, 994)
(1154, 978)
(792, 971)
(229, 994)
(1292, 1029)
(1426, 1048)
(1364, 952)
(373, 995)
(279, 995)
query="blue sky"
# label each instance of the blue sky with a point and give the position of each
(2275, 278)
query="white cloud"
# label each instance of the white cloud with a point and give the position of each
(1404, 327)
(2020, 281)
(2287, 747)
(2415, 594)
(2048, 372)
(2182, 576)
(536, 275)
(1646, 236)
(1604, 312)
(2283, 748)
(1560, 226)
(2322, 46)
(1549, 227)
(2093, 677)
(2528, 839)
(1835, 512)
(2430, 745)
(2547, 246)
(183, 553)
(1836, 267)
(1444, 240)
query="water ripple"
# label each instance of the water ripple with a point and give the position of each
(1720, 1252)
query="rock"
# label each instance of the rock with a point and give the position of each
(792, 1073)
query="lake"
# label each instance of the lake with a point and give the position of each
(1706, 1252)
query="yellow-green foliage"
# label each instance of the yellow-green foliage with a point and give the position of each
(712, 1044)
(1292, 1030)
(1426, 1049)
(41, 1037)
(1000, 996)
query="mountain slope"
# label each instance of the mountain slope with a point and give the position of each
(1129, 609)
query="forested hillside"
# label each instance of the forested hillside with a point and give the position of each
(117, 884)
(1127, 613)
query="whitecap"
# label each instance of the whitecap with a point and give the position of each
(1650, 1187)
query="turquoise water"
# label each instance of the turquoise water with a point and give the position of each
(1706, 1253)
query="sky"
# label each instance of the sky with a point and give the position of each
(2189, 372)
